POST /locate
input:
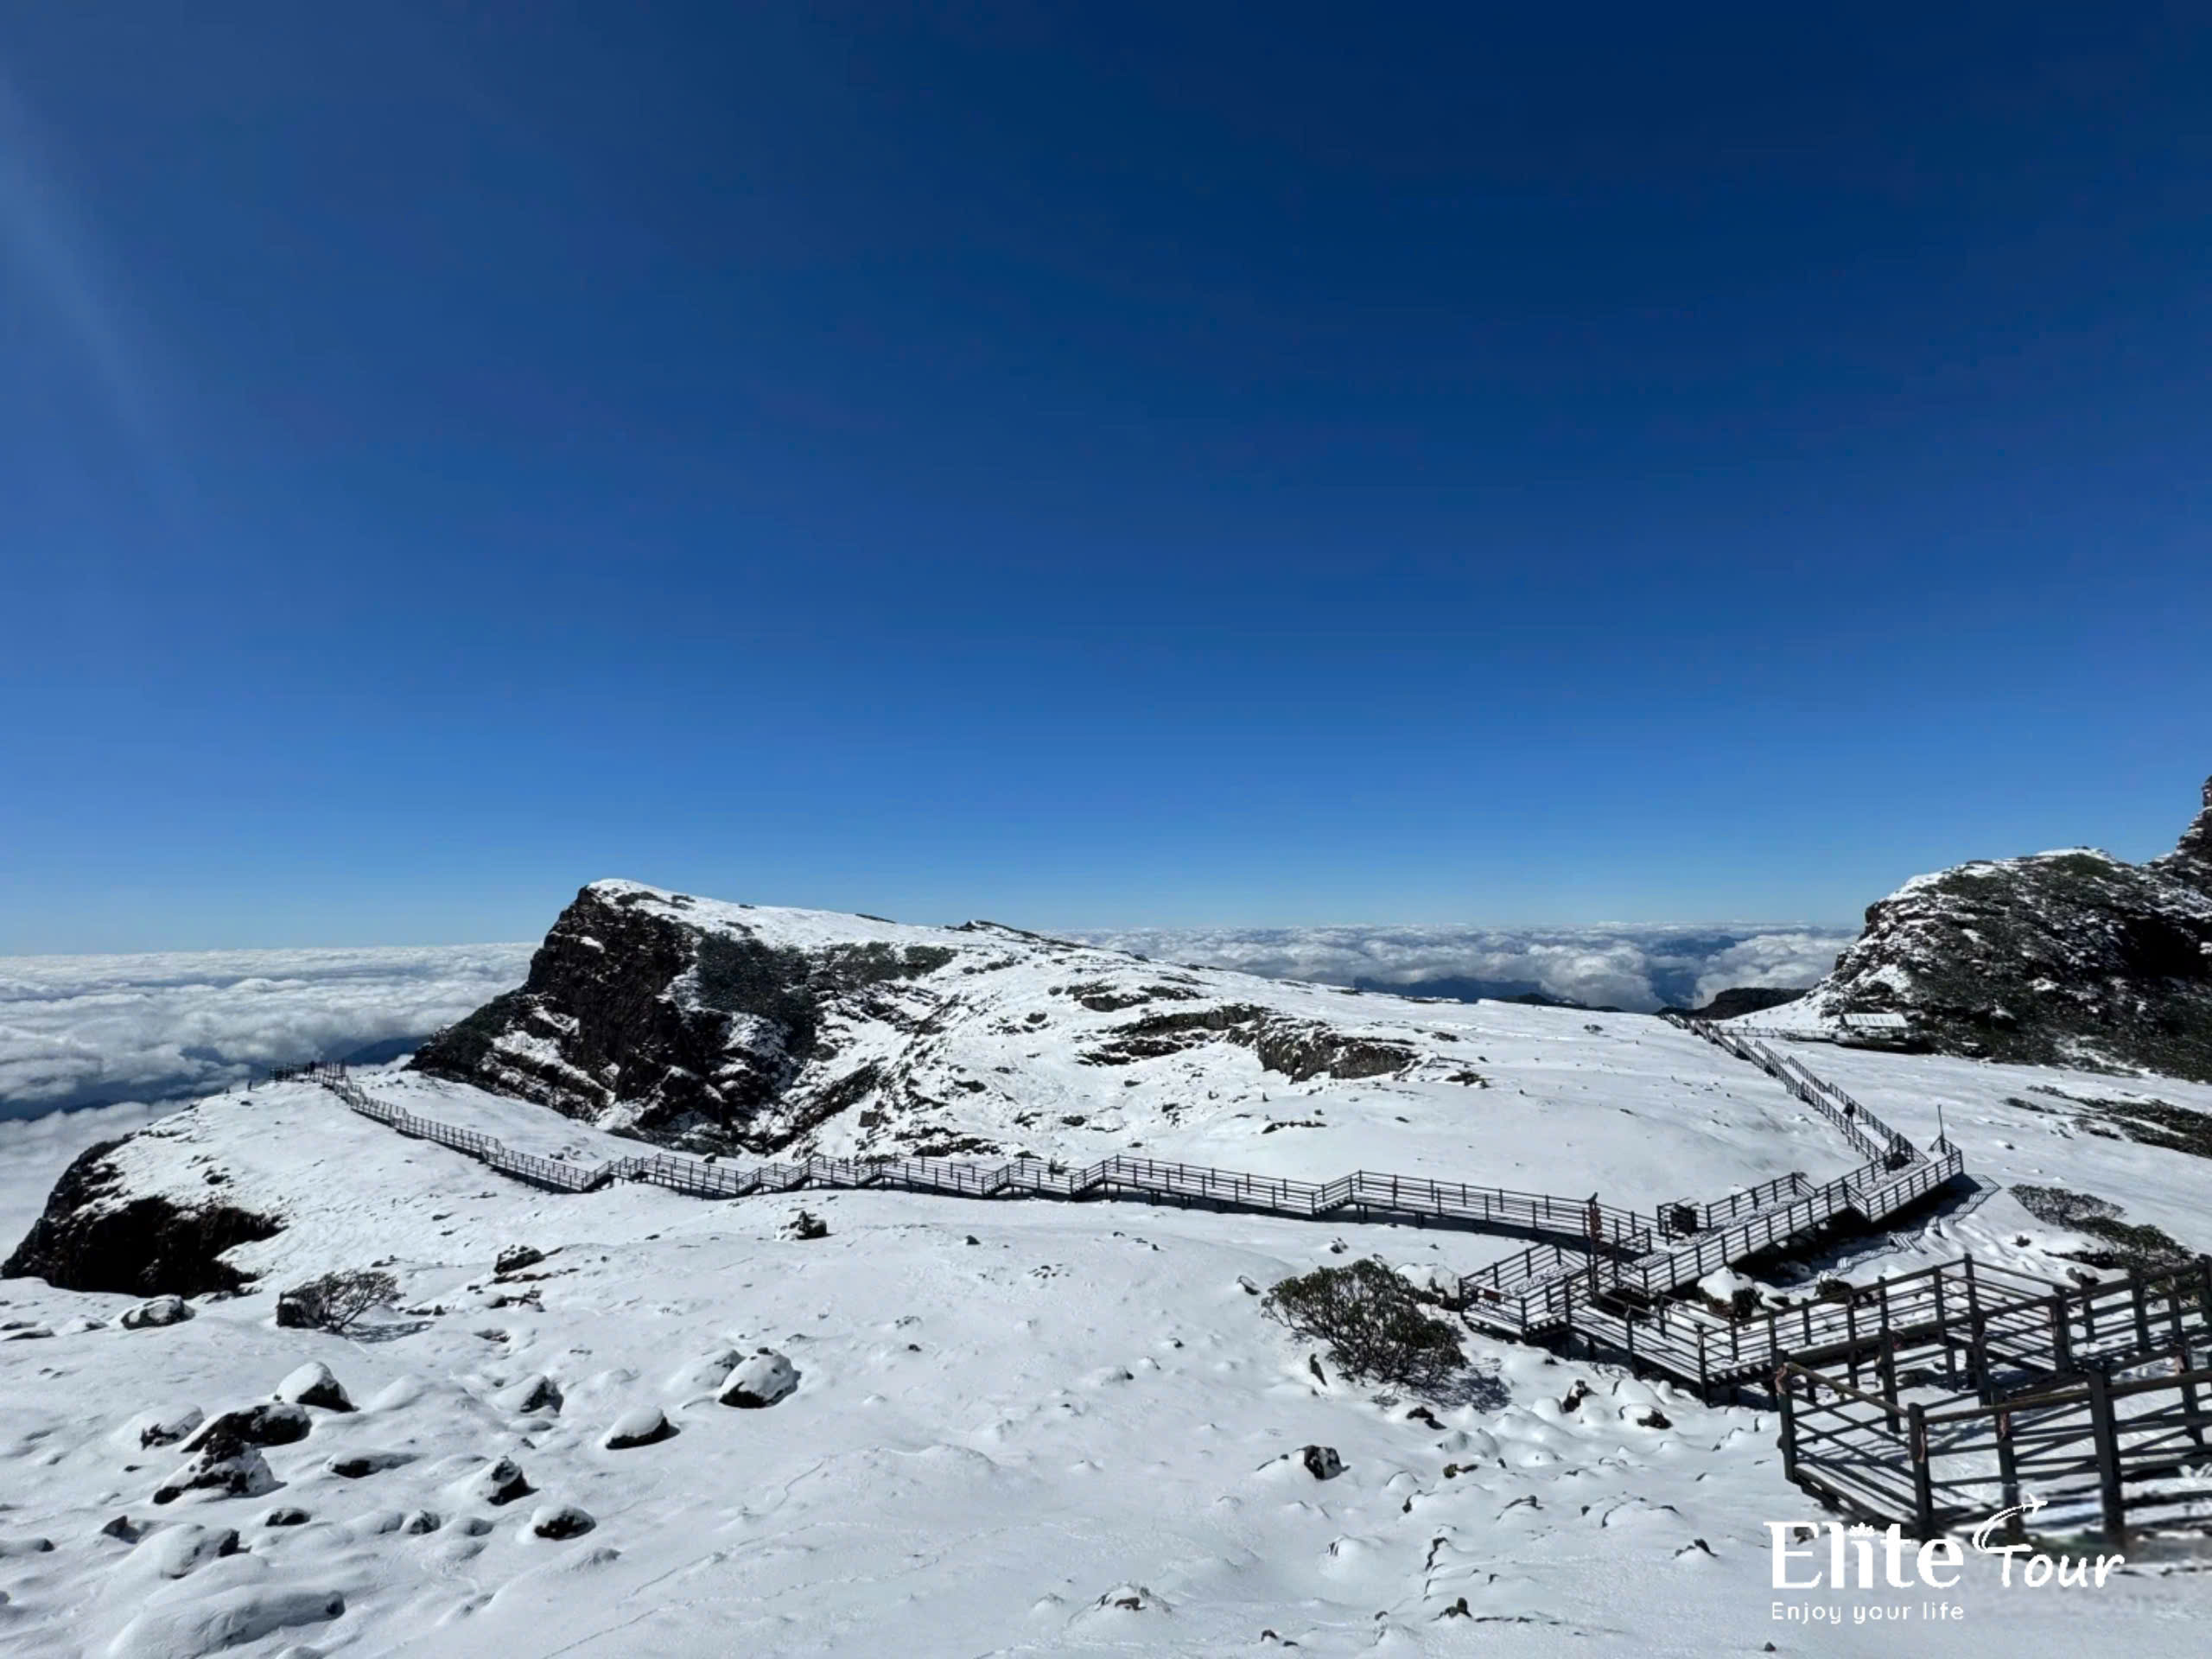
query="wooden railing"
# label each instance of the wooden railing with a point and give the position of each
(1605, 1271)
(1361, 1195)
(2114, 1452)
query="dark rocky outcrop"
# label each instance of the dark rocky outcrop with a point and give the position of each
(1298, 1049)
(701, 1034)
(146, 1245)
(2072, 958)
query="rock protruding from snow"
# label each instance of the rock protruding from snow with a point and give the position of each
(1322, 1462)
(274, 1423)
(644, 1426)
(161, 1310)
(243, 1473)
(804, 1225)
(535, 1392)
(559, 1521)
(314, 1385)
(516, 1257)
(759, 1381)
(497, 1482)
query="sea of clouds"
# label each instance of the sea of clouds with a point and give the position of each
(85, 1031)
(1637, 967)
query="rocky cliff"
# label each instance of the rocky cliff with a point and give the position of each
(737, 1027)
(96, 1234)
(2072, 958)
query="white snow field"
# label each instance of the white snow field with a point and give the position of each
(1017, 1427)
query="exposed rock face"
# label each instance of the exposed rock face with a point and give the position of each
(697, 1033)
(2069, 957)
(2191, 861)
(89, 1238)
(729, 1028)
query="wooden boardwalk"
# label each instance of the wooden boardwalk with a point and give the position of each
(1934, 1398)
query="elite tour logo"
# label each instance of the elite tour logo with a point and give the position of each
(1858, 1558)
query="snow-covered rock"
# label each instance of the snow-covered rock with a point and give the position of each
(535, 1392)
(559, 1521)
(271, 1423)
(242, 1472)
(516, 1257)
(311, 1384)
(498, 1481)
(759, 1381)
(161, 1310)
(641, 1426)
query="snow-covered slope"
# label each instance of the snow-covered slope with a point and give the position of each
(2070, 957)
(1028, 1427)
(1031, 1429)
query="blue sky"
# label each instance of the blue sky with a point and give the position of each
(1117, 466)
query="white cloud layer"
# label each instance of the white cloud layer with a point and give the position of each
(1637, 967)
(35, 1151)
(77, 1031)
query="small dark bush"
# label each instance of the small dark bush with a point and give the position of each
(337, 1301)
(1375, 1324)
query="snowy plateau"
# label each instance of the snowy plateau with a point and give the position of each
(936, 1425)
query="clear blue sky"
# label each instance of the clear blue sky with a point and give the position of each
(1124, 464)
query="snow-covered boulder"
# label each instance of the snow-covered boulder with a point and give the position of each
(535, 1392)
(760, 1380)
(707, 1373)
(314, 1385)
(500, 1481)
(643, 1425)
(558, 1521)
(516, 1257)
(161, 1310)
(243, 1473)
(1322, 1462)
(275, 1422)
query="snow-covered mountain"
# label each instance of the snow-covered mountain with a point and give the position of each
(739, 1028)
(2069, 957)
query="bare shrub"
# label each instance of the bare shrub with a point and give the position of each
(337, 1301)
(1373, 1322)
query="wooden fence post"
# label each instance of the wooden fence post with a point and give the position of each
(1923, 1483)
(1784, 1392)
(1889, 1369)
(2110, 1495)
(2008, 1474)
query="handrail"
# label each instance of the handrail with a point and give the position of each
(1593, 1248)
